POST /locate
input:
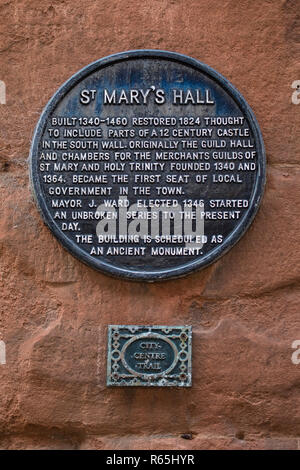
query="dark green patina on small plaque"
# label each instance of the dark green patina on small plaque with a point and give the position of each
(149, 356)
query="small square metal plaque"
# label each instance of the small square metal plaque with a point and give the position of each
(151, 356)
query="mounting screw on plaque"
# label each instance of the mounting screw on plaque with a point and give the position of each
(149, 356)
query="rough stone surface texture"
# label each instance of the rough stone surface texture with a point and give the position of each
(244, 309)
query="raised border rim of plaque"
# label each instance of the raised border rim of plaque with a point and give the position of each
(166, 273)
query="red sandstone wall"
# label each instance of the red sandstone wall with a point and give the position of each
(244, 309)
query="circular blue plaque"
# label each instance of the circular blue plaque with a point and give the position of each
(147, 165)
